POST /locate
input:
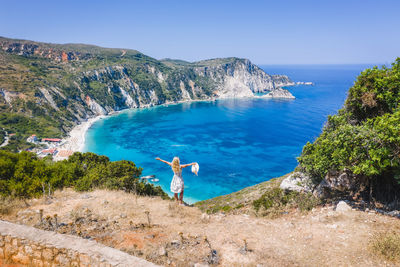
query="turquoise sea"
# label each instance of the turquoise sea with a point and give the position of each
(237, 142)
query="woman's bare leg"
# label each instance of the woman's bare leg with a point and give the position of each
(181, 197)
(176, 197)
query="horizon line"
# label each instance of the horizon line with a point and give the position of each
(302, 64)
(209, 58)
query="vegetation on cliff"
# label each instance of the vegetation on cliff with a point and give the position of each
(264, 199)
(276, 201)
(23, 175)
(364, 137)
(240, 201)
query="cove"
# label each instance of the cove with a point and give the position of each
(237, 142)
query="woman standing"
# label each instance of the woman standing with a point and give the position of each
(177, 184)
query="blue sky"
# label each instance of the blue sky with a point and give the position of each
(266, 32)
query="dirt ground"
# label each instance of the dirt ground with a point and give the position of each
(171, 235)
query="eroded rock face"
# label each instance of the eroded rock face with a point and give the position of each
(297, 181)
(241, 78)
(336, 183)
(9, 96)
(236, 79)
(28, 48)
(340, 181)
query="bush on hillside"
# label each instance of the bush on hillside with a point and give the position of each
(275, 201)
(376, 92)
(364, 137)
(371, 148)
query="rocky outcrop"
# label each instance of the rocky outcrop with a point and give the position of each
(240, 78)
(48, 97)
(342, 207)
(282, 80)
(120, 90)
(297, 181)
(336, 184)
(29, 48)
(279, 93)
(8, 96)
(95, 107)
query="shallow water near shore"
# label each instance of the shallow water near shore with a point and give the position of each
(237, 142)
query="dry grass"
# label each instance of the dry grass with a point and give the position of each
(10, 205)
(176, 234)
(386, 245)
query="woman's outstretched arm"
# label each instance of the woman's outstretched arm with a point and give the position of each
(169, 163)
(187, 165)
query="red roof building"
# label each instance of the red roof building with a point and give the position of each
(49, 151)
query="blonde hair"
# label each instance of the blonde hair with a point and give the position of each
(176, 165)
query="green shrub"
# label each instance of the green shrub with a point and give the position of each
(376, 92)
(274, 197)
(226, 208)
(276, 200)
(368, 149)
(305, 201)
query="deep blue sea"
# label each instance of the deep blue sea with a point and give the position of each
(237, 142)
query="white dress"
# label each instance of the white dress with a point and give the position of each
(177, 182)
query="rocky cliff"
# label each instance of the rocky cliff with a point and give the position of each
(62, 85)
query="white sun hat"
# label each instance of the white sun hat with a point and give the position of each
(195, 168)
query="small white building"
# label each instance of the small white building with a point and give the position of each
(32, 139)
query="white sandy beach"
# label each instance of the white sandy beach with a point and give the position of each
(76, 139)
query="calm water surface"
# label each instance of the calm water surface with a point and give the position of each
(237, 142)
